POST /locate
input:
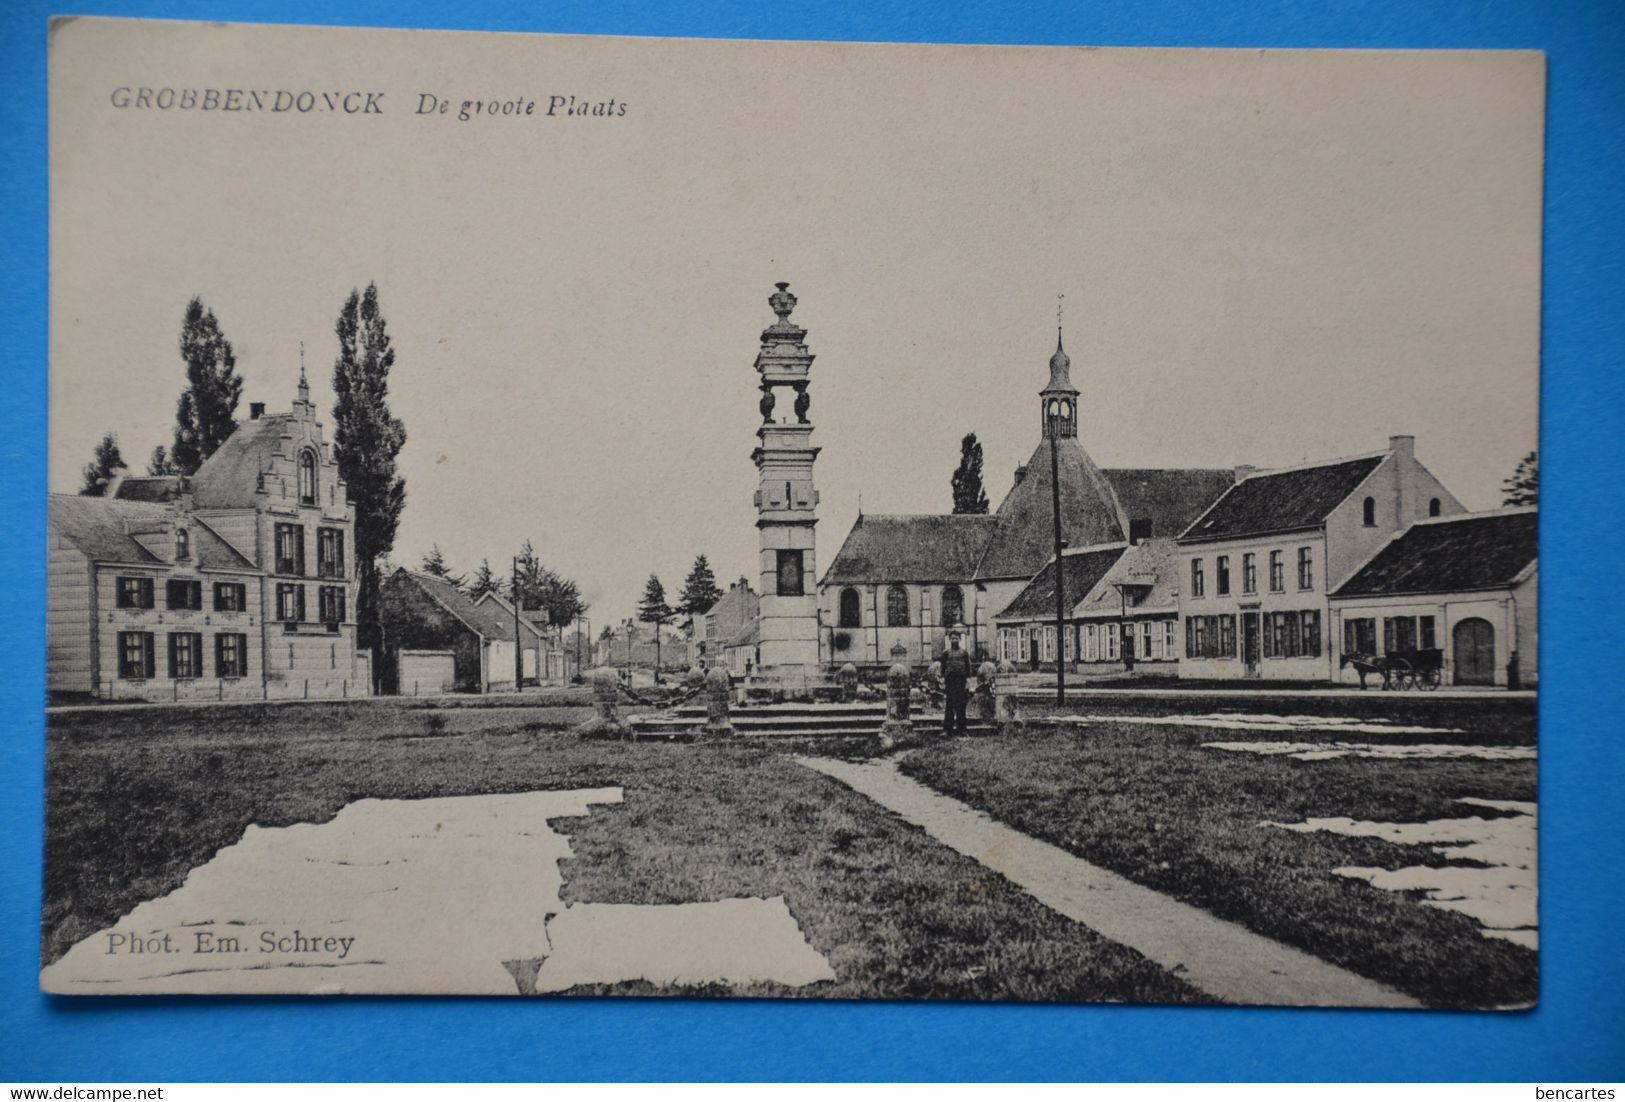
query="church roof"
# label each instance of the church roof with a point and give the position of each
(1282, 501)
(1170, 498)
(229, 478)
(1081, 571)
(1456, 554)
(941, 548)
(1024, 537)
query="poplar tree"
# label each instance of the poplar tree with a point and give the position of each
(1523, 488)
(103, 467)
(969, 496)
(366, 440)
(206, 413)
(653, 609)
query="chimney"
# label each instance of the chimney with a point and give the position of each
(1403, 445)
(1021, 473)
(256, 410)
(1243, 470)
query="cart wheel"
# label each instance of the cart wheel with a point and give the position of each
(1428, 680)
(1400, 670)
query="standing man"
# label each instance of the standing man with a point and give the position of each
(956, 671)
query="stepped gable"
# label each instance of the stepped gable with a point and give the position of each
(883, 549)
(1081, 571)
(1451, 555)
(1169, 498)
(1024, 538)
(1282, 501)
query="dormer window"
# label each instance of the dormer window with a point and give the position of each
(1369, 512)
(307, 478)
(183, 545)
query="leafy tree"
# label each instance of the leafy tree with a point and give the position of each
(160, 463)
(206, 412)
(1523, 488)
(700, 589)
(103, 467)
(542, 588)
(653, 609)
(969, 496)
(435, 563)
(366, 440)
(485, 581)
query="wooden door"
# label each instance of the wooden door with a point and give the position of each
(1474, 652)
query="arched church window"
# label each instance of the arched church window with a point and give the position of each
(307, 478)
(953, 606)
(1434, 506)
(1369, 514)
(851, 615)
(896, 607)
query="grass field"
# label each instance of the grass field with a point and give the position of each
(1147, 801)
(138, 798)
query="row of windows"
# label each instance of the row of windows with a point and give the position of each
(290, 551)
(1399, 633)
(137, 655)
(290, 604)
(1147, 640)
(182, 594)
(1291, 634)
(849, 613)
(1249, 573)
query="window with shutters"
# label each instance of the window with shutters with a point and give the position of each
(290, 549)
(1168, 650)
(183, 595)
(135, 593)
(1226, 633)
(896, 607)
(230, 597)
(1091, 642)
(1310, 619)
(331, 603)
(230, 655)
(290, 602)
(330, 552)
(135, 657)
(185, 654)
(1112, 640)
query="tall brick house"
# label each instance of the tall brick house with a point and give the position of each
(235, 583)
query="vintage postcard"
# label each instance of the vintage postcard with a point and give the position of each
(559, 515)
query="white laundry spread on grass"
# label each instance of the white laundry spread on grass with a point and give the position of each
(1235, 721)
(1500, 893)
(1326, 751)
(451, 895)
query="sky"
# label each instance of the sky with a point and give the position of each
(1260, 257)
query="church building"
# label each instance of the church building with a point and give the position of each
(902, 580)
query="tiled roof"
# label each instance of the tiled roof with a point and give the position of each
(1081, 572)
(1024, 539)
(105, 530)
(101, 528)
(1152, 568)
(1169, 498)
(910, 549)
(229, 478)
(481, 618)
(1282, 501)
(1467, 552)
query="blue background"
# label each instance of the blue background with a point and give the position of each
(1578, 1032)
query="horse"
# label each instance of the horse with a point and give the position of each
(1368, 664)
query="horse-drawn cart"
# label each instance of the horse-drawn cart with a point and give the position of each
(1408, 669)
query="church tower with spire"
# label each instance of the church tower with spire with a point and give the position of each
(786, 500)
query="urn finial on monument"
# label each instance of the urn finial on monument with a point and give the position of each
(782, 302)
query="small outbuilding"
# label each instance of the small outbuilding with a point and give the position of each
(422, 612)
